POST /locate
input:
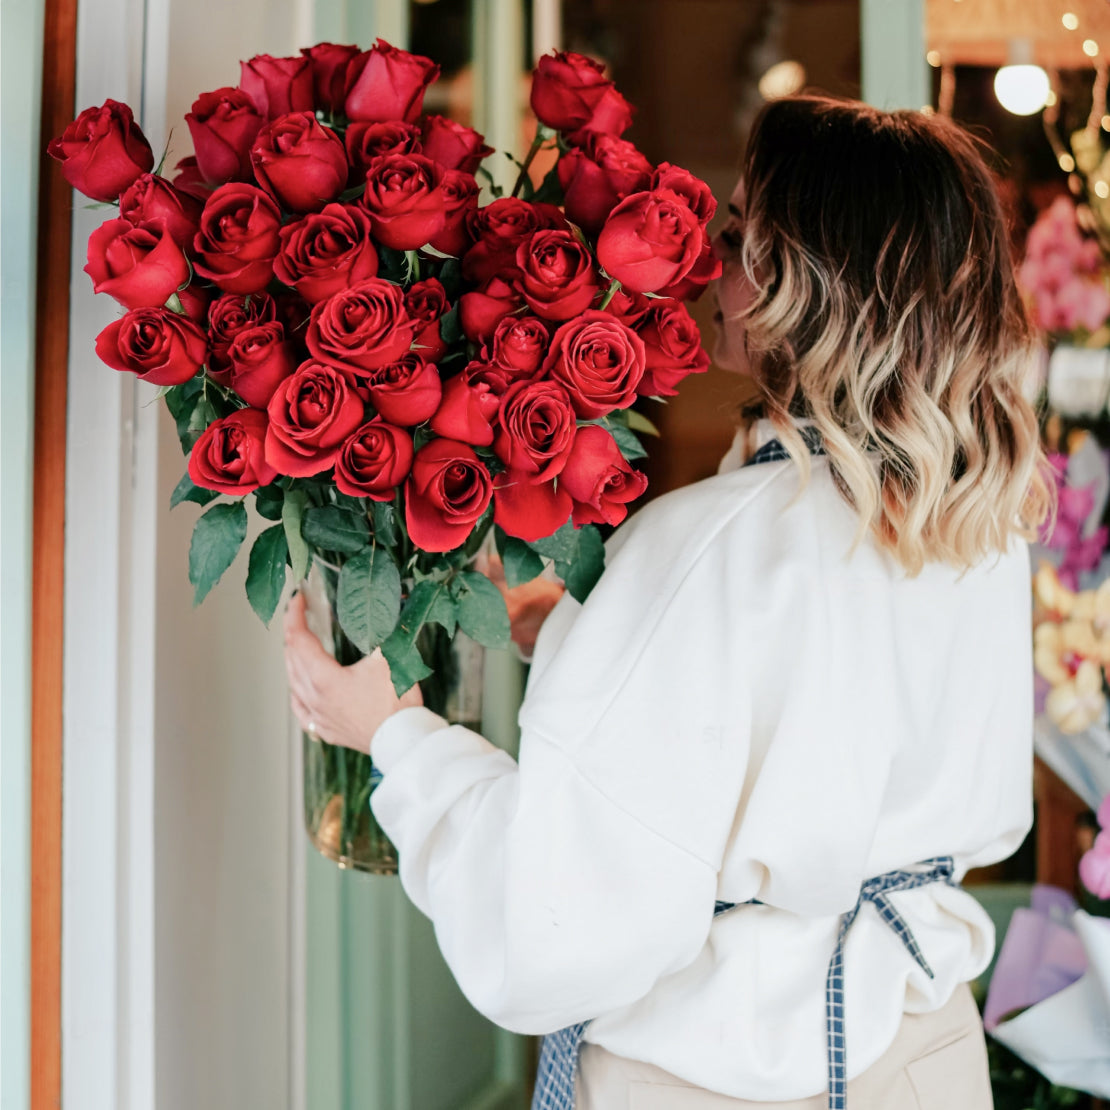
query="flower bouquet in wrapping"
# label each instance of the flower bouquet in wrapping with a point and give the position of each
(389, 362)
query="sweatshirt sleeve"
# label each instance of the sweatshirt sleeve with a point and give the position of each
(567, 885)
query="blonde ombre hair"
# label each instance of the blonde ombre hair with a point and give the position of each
(886, 312)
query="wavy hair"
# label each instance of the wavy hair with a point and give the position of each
(885, 310)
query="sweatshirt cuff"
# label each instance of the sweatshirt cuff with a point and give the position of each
(400, 733)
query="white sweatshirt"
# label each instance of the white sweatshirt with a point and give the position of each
(738, 711)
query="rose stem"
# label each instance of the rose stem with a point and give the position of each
(610, 293)
(533, 150)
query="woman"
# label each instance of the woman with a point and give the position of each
(797, 706)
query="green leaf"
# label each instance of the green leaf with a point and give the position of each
(450, 277)
(292, 513)
(331, 528)
(450, 329)
(550, 190)
(385, 522)
(217, 537)
(640, 423)
(185, 490)
(406, 666)
(266, 572)
(630, 446)
(368, 599)
(430, 601)
(268, 501)
(521, 563)
(585, 569)
(561, 546)
(481, 609)
(181, 400)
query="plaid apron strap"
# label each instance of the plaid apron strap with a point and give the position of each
(557, 1067)
(773, 450)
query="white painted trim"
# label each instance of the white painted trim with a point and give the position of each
(547, 27)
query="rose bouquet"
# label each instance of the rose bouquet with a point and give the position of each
(389, 365)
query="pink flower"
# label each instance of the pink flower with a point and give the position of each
(1094, 867)
(1104, 813)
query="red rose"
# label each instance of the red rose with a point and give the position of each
(238, 239)
(228, 316)
(406, 392)
(535, 429)
(388, 84)
(278, 86)
(330, 64)
(707, 268)
(611, 116)
(566, 88)
(426, 304)
(139, 266)
(230, 455)
(150, 197)
(557, 275)
(367, 141)
(326, 252)
(362, 328)
(157, 345)
(195, 299)
(102, 151)
(672, 344)
(460, 198)
(528, 509)
(190, 181)
(628, 307)
(311, 414)
(599, 479)
(470, 404)
(698, 195)
(261, 359)
(448, 490)
(519, 345)
(405, 199)
(299, 162)
(374, 461)
(223, 125)
(293, 311)
(452, 145)
(598, 176)
(499, 228)
(481, 310)
(599, 361)
(650, 241)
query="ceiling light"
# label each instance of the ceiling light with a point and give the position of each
(1090, 48)
(782, 79)
(1022, 90)
(1070, 20)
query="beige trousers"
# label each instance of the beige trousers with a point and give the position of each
(938, 1061)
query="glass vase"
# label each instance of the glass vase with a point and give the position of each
(339, 781)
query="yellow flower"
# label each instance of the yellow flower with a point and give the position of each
(1048, 653)
(1051, 593)
(1078, 702)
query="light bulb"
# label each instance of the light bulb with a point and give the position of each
(782, 79)
(1022, 89)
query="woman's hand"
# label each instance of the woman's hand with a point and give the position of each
(342, 705)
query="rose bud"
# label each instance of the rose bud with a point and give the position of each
(597, 177)
(698, 195)
(599, 361)
(155, 344)
(278, 86)
(628, 307)
(405, 200)
(481, 310)
(672, 344)
(150, 197)
(299, 162)
(471, 401)
(426, 304)
(599, 479)
(374, 461)
(261, 359)
(326, 252)
(311, 415)
(195, 299)
(612, 115)
(367, 141)
(460, 198)
(566, 88)
(102, 151)
(238, 239)
(329, 73)
(527, 508)
(230, 455)
(707, 268)
(498, 230)
(228, 316)
(139, 266)
(388, 84)
(223, 125)
(406, 392)
(519, 345)
(557, 275)
(651, 240)
(189, 180)
(362, 328)
(448, 490)
(535, 429)
(452, 145)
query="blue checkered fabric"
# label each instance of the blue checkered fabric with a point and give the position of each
(773, 450)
